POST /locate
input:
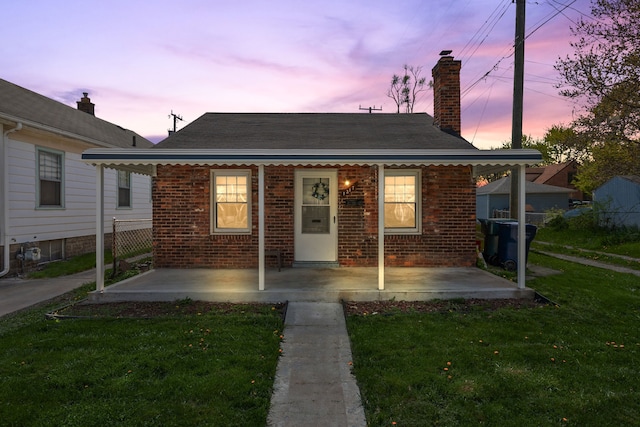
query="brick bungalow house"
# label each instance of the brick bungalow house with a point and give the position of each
(337, 190)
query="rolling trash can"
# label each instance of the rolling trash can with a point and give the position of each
(490, 230)
(508, 243)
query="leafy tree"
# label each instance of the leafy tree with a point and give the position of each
(564, 144)
(405, 90)
(607, 160)
(603, 75)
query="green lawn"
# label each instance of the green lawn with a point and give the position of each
(573, 364)
(200, 369)
(74, 265)
(615, 242)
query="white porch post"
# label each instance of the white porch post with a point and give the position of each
(99, 228)
(522, 260)
(261, 270)
(381, 226)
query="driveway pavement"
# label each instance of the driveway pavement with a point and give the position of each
(17, 293)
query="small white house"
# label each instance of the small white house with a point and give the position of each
(47, 192)
(619, 201)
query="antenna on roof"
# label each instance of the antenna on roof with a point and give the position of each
(370, 108)
(175, 121)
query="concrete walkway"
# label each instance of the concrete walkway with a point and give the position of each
(314, 385)
(17, 293)
(594, 263)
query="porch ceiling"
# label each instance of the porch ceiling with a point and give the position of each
(144, 160)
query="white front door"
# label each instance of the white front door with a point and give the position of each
(316, 210)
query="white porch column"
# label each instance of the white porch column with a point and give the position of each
(261, 269)
(99, 228)
(381, 226)
(522, 260)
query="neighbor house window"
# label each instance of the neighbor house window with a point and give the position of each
(402, 201)
(230, 201)
(124, 189)
(50, 178)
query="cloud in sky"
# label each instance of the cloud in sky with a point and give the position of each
(141, 60)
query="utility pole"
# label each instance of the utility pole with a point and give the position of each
(518, 88)
(370, 108)
(175, 120)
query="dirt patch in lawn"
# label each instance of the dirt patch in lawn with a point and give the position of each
(133, 309)
(459, 305)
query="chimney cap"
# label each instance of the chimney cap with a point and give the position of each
(445, 52)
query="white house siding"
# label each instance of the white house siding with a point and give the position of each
(28, 223)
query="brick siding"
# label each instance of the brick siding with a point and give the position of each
(181, 222)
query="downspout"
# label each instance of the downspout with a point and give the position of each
(5, 195)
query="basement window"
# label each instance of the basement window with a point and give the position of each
(402, 201)
(230, 203)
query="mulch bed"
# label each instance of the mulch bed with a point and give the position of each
(388, 307)
(134, 309)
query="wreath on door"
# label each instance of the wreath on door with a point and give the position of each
(320, 190)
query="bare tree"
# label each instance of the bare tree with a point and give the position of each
(405, 90)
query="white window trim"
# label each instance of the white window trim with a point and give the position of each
(417, 173)
(212, 202)
(130, 206)
(62, 179)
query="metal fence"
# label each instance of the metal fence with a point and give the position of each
(529, 217)
(131, 237)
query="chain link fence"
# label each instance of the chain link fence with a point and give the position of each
(538, 219)
(131, 238)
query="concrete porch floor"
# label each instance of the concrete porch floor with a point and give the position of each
(312, 285)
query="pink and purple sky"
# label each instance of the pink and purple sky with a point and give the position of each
(140, 60)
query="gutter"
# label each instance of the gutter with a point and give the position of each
(5, 193)
(53, 130)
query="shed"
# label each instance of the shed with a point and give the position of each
(540, 197)
(619, 201)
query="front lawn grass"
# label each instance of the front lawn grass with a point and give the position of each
(619, 242)
(199, 369)
(577, 363)
(582, 253)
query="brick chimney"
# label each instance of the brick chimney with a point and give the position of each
(86, 105)
(446, 93)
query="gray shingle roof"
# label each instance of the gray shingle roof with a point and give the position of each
(18, 103)
(503, 186)
(313, 131)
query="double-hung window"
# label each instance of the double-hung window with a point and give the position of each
(402, 196)
(50, 178)
(124, 189)
(230, 201)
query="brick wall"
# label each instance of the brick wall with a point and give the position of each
(182, 236)
(448, 223)
(181, 223)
